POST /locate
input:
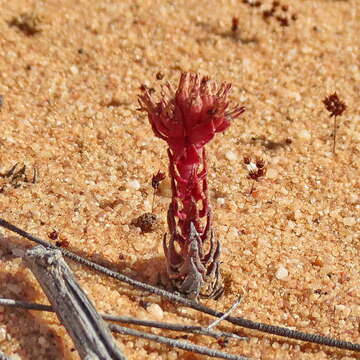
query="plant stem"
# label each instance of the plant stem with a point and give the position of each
(334, 135)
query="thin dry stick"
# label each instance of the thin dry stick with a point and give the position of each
(184, 345)
(174, 327)
(161, 339)
(130, 320)
(265, 328)
(226, 314)
(25, 305)
(89, 332)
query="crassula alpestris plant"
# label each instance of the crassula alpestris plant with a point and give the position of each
(187, 119)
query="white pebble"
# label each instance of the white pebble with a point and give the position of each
(281, 273)
(304, 134)
(134, 184)
(156, 311)
(2, 334)
(220, 201)
(172, 355)
(74, 70)
(349, 221)
(231, 156)
(340, 307)
(272, 173)
(15, 357)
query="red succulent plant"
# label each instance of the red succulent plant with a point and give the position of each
(187, 119)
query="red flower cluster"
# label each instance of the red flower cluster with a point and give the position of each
(187, 119)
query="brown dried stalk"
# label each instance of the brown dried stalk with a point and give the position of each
(335, 107)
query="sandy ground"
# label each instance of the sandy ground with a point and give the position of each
(70, 72)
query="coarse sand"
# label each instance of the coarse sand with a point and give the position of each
(70, 73)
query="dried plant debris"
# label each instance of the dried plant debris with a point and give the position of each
(147, 222)
(235, 25)
(256, 170)
(279, 12)
(335, 107)
(155, 183)
(159, 75)
(16, 176)
(27, 23)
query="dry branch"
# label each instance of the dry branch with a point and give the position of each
(184, 345)
(193, 329)
(249, 324)
(76, 312)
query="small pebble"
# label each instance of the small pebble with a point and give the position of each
(231, 156)
(281, 273)
(156, 311)
(340, 307)
(134, 184)
(220, 201)
(349, 221)
(272, 173)
(304, 134)
(15, 357)
(74, 69)
(2, 334)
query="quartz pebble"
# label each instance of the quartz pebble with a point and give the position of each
(74, 69)
(304, 135)
(281, 273)
(231, 156)
(156, 311)
(349, 221)
(2, 334)
(134, 184)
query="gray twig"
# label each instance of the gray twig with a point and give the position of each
(130, 320)
(226, 314)
(265, 328)
(184, 345)
(76, 312)
(174, 327)
(25, 305)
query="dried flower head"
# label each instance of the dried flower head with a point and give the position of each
(256, 168)
(187, 119)
(53, 235)
(155, 183)
(334, 105)
(157, 179)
